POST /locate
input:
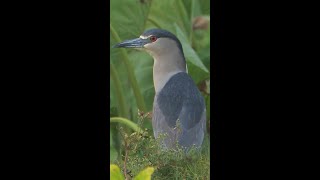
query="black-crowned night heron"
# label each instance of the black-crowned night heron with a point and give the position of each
(178, 110)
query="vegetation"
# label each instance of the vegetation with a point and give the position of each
(117, 175)
(132, 146)
(141, 150)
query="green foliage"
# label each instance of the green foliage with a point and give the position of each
(115, 173)
(142, 150)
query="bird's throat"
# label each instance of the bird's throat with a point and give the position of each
(163, 71)
(167, 62)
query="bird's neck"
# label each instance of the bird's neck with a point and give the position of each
(165, 66)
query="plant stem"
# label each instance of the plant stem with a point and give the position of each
(127, 122)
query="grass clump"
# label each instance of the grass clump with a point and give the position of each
(141, 150)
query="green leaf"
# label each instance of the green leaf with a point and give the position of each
(129, 69)
(128, 17)
(115, 173)
(119, 93)
(143, 69)
(189, 53)
(145, 174)
(205, 6)
(166, 12)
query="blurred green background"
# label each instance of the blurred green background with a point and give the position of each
(131, 81)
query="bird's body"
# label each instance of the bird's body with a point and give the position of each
(179, 111)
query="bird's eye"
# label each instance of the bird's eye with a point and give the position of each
(153, 38)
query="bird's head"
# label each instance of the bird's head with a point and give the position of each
(156, 42)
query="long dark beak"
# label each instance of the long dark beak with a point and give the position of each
(133, 43)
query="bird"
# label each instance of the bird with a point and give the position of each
(179, 112)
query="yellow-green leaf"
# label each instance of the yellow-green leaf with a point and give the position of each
(145, 174)
(115, 173)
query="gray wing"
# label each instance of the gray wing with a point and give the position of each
(180, 99)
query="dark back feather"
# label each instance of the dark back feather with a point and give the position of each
(181, 99)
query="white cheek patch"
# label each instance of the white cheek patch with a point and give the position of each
(149, 48)
(144, 37)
